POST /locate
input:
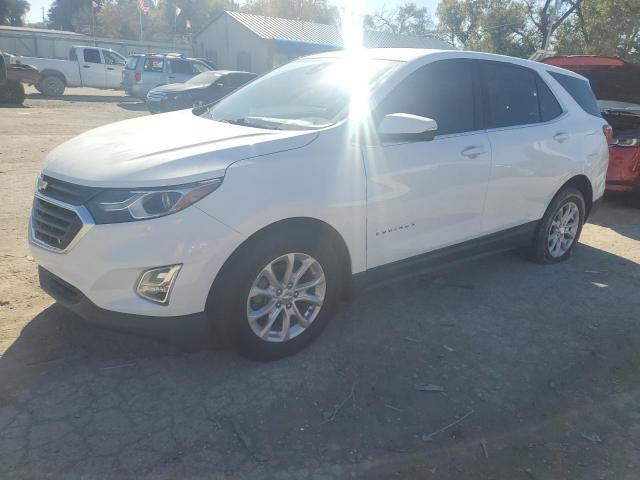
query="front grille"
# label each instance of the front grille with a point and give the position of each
(68, 192)
(53, 225)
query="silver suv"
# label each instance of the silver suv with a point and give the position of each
(146, 71)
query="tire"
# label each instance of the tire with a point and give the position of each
(12, 93)
(52, 86)
(230, 306)
(38, 87)
(546, 249)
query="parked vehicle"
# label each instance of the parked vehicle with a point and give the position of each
(616, 84)
(203, 89)
(15, 74)
(86, 67)
(146, 71)
(258, 213)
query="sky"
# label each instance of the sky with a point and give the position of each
(35, 14)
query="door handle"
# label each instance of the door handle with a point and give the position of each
(561, 137)
(86, 66)
(110, 68)
(473, 152)
(172, 77)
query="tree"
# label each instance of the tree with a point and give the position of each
(63, 12)
(310, 10)
(12, 12)
(407, 19)
(512, 27)
(603, 27)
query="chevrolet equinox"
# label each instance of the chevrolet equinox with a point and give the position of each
(255, 214)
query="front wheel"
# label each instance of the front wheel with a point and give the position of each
(279, 293)
(560, 228)
(52, 86)
(12, 93)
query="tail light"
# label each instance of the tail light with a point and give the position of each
(138, 77)
(608, 133)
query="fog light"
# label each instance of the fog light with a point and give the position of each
(155, 284)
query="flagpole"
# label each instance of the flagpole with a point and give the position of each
(140, 17)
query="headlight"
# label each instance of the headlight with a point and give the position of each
(129, 205)
(625, 142)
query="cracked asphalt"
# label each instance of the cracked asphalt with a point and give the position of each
(538, 365)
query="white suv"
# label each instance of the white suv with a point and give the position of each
(256, 214)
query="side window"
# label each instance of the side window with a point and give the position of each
(91, 55)
(511, 95)
(442, 91)
(181, 67)
(153, 64)
(549, 106)
(111, 58)
(199, 67)
(580, 90)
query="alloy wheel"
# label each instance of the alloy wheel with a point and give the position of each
(286, 297)
(563, 230)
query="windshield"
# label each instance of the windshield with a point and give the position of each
(306, 94)
(203, 79)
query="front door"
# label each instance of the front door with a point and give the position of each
(425, 195)
(114, 65)
(92, 68)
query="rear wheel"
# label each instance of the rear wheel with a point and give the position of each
(278, 295)
(560, 228)
(12, 93)
(52, 86)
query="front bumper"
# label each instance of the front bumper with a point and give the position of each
(188, 331)
(106, 263)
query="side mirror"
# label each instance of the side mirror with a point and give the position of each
(407, 127)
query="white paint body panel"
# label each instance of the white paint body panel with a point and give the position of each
(357, 188)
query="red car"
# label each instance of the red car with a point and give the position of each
(616, 84)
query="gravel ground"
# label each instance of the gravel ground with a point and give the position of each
(538, 365)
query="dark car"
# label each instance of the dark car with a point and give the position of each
(616, 84)
(12, 76)
(202, 89)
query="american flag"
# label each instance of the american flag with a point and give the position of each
(144, 6)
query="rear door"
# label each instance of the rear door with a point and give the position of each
(532, 140)
(92, 68)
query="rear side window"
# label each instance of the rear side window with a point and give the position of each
(442, 91)
(580, 90)
(153, 64)
(132, 63)
(511, 95)
(91, 55)
(549, 106)
(181, 67)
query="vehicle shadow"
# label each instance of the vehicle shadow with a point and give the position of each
(523, 346)
(133, 106)
(79, 98)
(13, 105)
(619, 212)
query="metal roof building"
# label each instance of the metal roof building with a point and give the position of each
(259, 43)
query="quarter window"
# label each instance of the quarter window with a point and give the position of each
(581, 92)
(511, 95)
(442, 90)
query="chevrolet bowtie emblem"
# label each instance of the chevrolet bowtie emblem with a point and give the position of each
(42, 184)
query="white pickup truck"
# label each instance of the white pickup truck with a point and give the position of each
(87, 67)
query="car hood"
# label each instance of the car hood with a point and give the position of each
(167, 149)
(176, 88)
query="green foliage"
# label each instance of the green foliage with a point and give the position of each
(407, 19)
(310, 10)
(12, 12)
(603, 27)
